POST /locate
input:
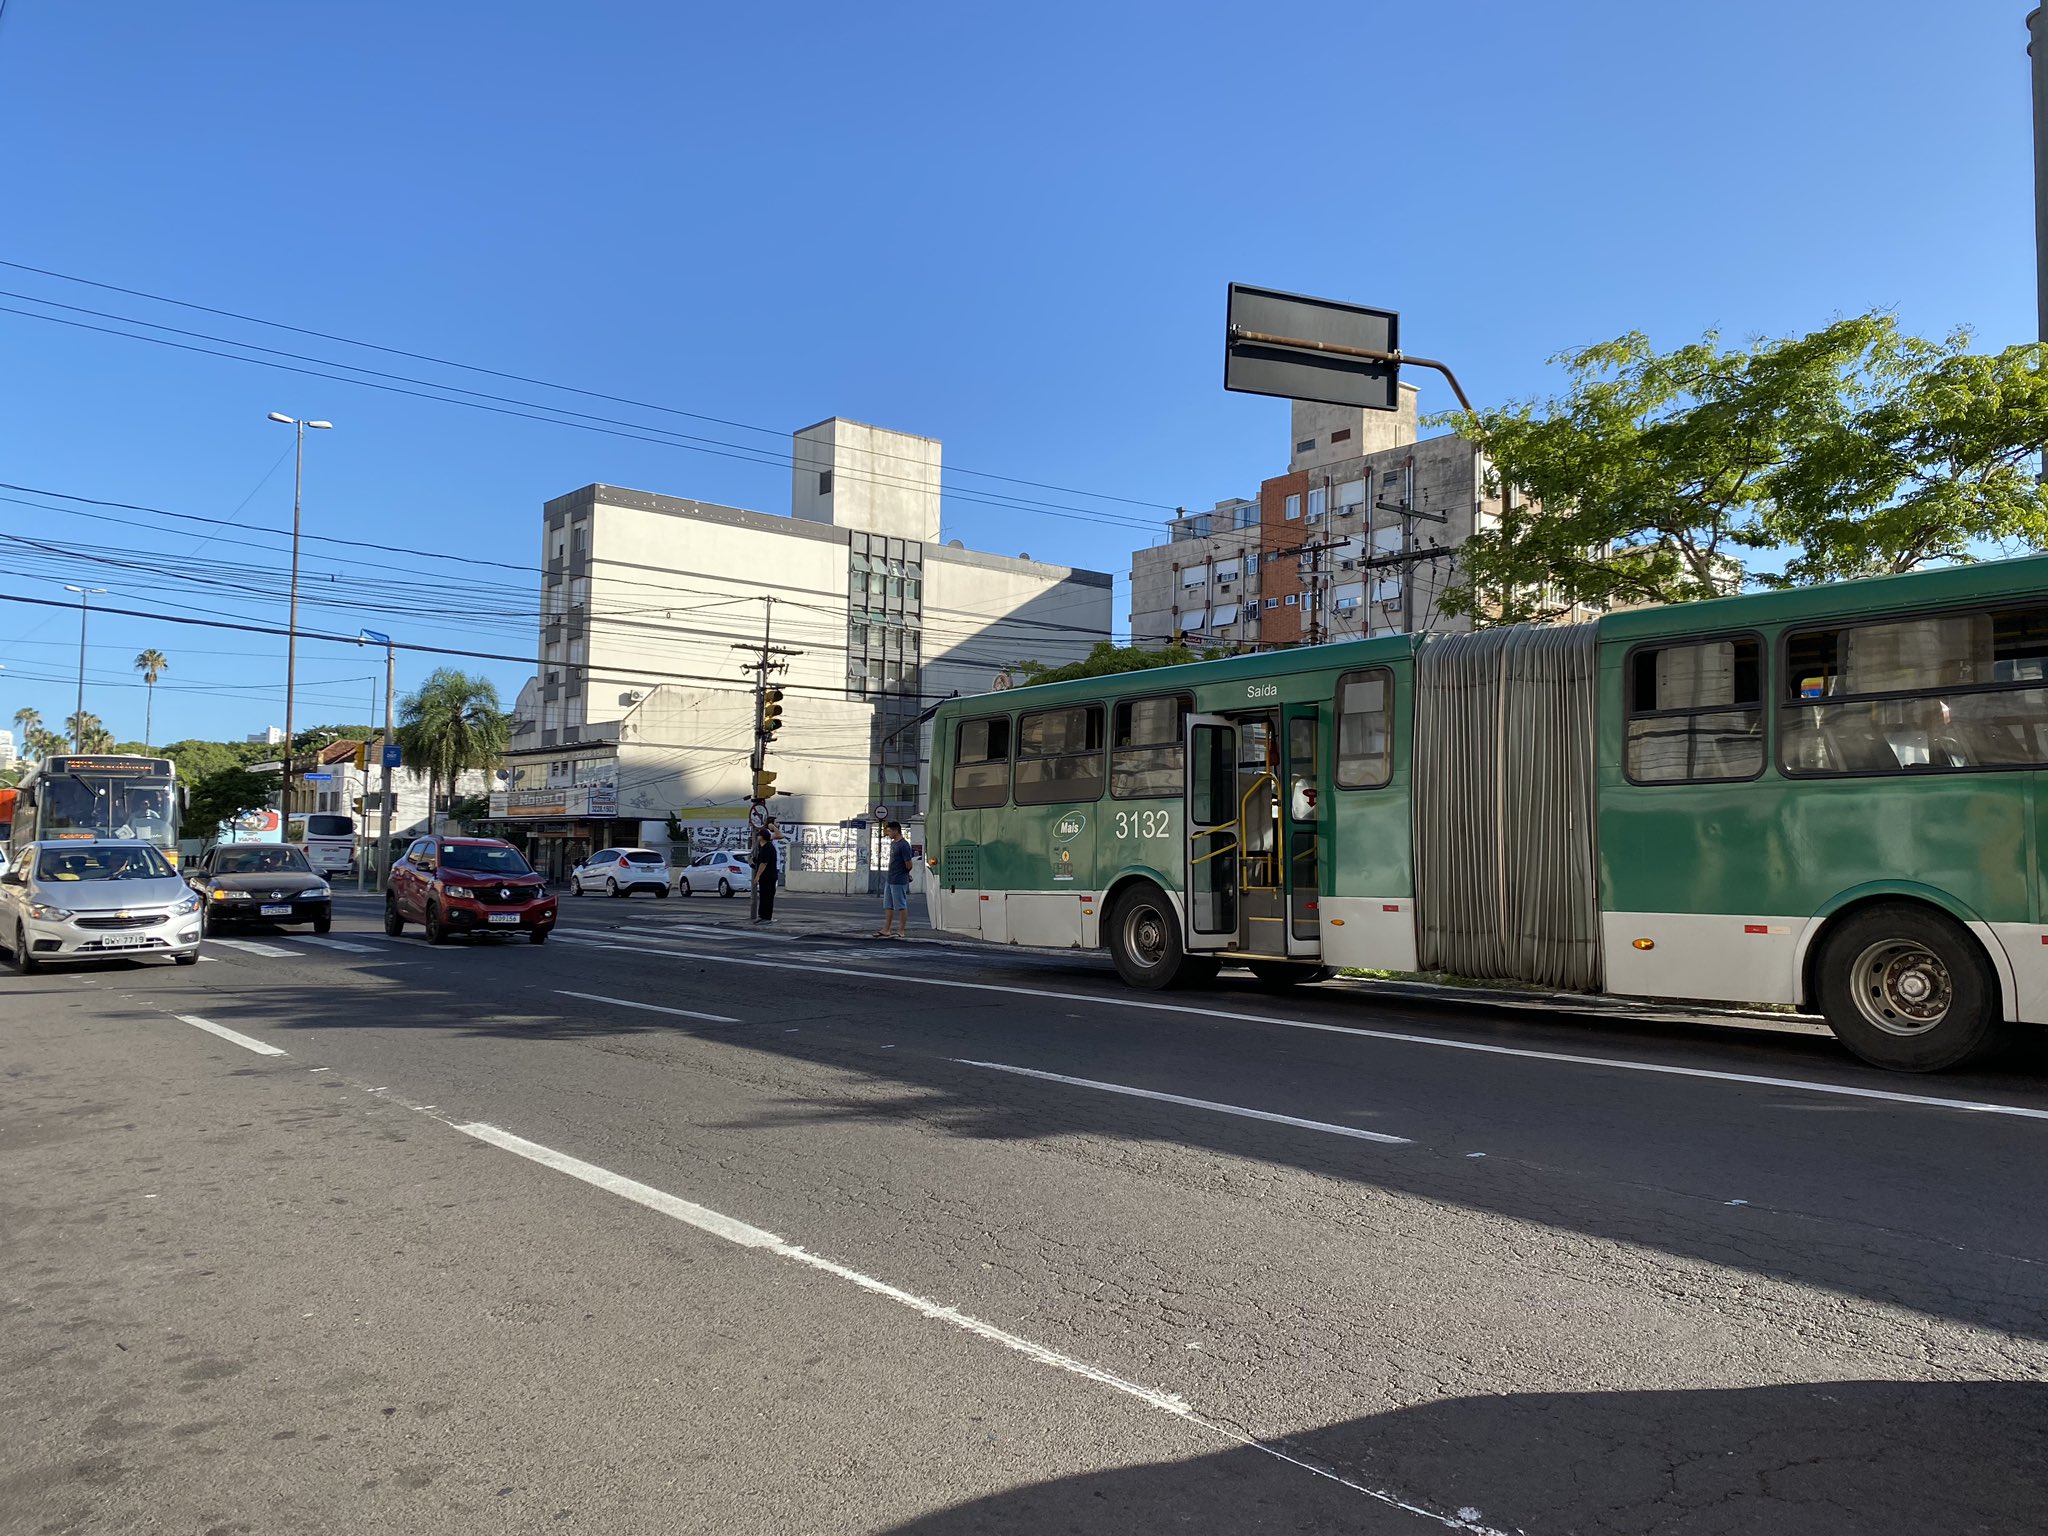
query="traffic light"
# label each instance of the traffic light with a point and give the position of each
(771, 712)
(362, 756)
(764, 784)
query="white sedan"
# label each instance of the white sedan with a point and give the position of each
(726, 873)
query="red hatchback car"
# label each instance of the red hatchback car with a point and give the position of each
(452, 885)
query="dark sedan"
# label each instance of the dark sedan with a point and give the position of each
(246, 883)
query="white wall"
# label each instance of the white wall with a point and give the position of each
(980, 617)
(882, 481)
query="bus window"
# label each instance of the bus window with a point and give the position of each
(1918, 695)
(1365, 729)
(1695, 712)
(1145, 748)
(981, 764)
(1059, 756)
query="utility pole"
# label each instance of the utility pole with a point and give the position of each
(2037, 50)
(767, 721)
(384, 757)
(291, 635)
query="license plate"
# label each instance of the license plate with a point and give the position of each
(282, 910)
(504, 917)
(123, 941)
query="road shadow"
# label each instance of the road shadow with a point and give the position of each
(1854, 1458)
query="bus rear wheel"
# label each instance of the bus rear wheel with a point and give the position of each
(1145, 942)
(1908, 989)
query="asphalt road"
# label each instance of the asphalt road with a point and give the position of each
(671, 1225)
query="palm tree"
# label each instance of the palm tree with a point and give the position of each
(43, 741)
(152, 665)
(453, 723)
(29, 722)
(89, 732)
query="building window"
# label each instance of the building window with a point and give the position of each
(1292, 599)
(1350, 495)
(981, 763)
(1293, 507)
(1316, 501)
(1059, 756)
(1365, 729)
(1145, 752)
(1928, 695)
(1341, 435)
(1272, 602)
(824, 482)
(1695, 712)
(1308, 445)
(1194, 576)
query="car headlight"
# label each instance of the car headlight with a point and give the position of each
(221, 895)
(460, 892)
(47, 913)
(313, 892)
(190, 904)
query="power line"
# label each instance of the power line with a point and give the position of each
(449, 394)
(571, 389)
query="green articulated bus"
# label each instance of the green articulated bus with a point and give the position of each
(1830, 797)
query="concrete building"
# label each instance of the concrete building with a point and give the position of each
(1359, 537)
(7, 756)
(269, 736)
(653, 606)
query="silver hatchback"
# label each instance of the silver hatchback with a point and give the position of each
(100, 899)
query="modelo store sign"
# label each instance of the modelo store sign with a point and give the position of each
(571, 789)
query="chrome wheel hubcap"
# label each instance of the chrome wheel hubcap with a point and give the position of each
(1901, 988)
(1145, 936)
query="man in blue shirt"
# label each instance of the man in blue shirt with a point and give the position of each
(896, 885)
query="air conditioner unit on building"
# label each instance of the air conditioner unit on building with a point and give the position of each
(1347, 565)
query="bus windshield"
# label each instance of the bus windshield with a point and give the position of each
(107, 806)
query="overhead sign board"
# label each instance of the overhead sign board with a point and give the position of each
(392, 754)
(1302, 348)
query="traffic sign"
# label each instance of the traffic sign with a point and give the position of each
(391, 755)
(758, 816)
(318, 778)
(1301, 348)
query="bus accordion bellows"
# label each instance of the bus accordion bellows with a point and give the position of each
(1824, 797)
(99, 794)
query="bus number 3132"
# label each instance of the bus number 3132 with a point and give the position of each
(1143, 823)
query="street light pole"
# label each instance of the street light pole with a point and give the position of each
(291, 642)
(85, 597)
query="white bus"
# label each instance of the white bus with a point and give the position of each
(329, 841)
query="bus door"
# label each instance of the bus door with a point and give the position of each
(1210, 800)
(1301, 822)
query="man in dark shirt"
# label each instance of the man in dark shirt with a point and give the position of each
(896, 886)
(765, 872)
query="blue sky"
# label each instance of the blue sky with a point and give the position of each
(1007, 229)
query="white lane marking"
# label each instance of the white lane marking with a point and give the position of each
(232, 1036)
(623, 1002)
(343, 944)
(748, 1236)
(1174, 1098)
(250, 946)
(1842, 1090)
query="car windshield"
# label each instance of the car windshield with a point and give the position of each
(483, 861)
(261, 861)
(75, 864)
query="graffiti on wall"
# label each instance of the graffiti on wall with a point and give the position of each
(810, 848)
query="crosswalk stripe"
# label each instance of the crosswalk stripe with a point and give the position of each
(250, 946)
(354, 949)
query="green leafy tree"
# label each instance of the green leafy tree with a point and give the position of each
(1664, 477)
(197, 759)
(1106, 660)
(152, 665)
(219, 797)
(452, 724)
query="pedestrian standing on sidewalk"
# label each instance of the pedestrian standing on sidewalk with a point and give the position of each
(896, 885)
(765, 872)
